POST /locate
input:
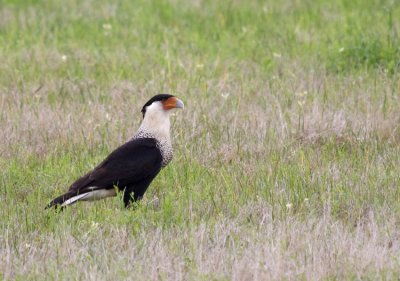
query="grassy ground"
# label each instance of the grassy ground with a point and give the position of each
(286, 157)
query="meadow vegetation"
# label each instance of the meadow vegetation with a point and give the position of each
(287, 156)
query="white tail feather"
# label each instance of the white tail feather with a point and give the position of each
(73, 199)
(90, 196)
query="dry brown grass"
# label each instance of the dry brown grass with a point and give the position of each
(251, 246)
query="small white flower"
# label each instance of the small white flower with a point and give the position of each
(64, 57)
(200, 65)
(277, 55)
(289, 206)
(341, 50)
(27, 245)
(301, 103)
(107, 26)
(108, 117)
(225, 95)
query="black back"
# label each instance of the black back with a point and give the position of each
(127, 165)
(131, 168)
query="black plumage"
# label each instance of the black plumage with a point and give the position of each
(130, 168)
(133, 166)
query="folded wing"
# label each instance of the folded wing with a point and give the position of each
(130, 167)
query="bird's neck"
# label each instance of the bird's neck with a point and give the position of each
(156, 124)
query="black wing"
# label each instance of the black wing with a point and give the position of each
(134, 162)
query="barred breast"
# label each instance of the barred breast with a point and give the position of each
(164, 145)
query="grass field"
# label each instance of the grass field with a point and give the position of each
(287, 157)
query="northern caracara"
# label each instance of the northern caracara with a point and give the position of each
(131, 167)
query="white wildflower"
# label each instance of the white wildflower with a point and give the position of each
(107, 26)
(225, 95)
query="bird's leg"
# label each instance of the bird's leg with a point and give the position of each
(128, 196)
(135, 192)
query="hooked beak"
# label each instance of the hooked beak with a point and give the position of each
(179, 104)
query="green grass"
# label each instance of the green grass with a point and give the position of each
(286, 162)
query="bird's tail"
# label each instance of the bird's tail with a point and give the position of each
(72, 197)
(65, 200)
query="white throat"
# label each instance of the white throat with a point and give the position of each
(156, 122)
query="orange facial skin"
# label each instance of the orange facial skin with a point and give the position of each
(171, 103)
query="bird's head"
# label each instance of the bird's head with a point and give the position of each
(162, 103)
(156, 115)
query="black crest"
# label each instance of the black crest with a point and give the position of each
(159, 97)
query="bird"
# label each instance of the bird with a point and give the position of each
(131, 167)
